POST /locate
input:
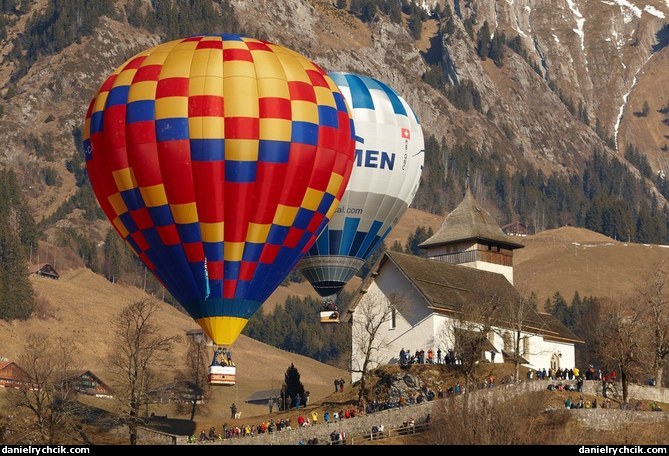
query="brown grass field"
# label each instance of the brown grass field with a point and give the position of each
(571, 259)
(85, 305)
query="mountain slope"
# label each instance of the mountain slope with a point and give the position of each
(571, 53)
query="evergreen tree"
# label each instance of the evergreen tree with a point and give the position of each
(61, 23)
(17, 234)
(557, 307)
(415, 25)
(16, 292)
(292, 386)
(483, 41)
(496, 51)
(577, 309)
(371, 261)
(449, 24)
(418, 237)
(116, 256)
(583, 113)
(296, 327)
(397, 246)
(364, 9)
(393, 10)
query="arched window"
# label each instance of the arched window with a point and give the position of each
(555, 362)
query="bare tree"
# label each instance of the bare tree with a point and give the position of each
(194, 378)
(653, 296)
(619, 333)
(368, 344)
(140, 351)
(48, 364)
(518, 313)
(468, 330)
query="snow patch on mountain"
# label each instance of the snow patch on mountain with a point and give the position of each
(629, 9)
(654, 11)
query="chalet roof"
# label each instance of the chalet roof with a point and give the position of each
(263, 396)
(514, 225)
(33, 268)
(44, 268)
(176, 386)
(22, 374)
(470, 221)
(78, 374)
(447, 288)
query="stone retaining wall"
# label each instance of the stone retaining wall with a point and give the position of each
(600, 419)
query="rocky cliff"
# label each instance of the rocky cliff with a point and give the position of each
(562, 90)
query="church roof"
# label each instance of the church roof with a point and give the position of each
(450, 287)
(447, 288)
(558, 331)
(470, 221)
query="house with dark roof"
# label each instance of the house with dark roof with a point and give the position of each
(43, 270)
(179, 392)
(423, 303)
(13, 376)
(86, 382)
(515, 229)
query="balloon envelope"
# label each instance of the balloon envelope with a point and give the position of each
(219, 160)
(389, 160)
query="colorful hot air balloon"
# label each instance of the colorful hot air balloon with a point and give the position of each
(388, 163)
(219, 159)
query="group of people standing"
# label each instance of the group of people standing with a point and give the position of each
(422, 357)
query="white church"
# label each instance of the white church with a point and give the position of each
(420, 303)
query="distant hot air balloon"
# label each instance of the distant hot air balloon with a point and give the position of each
(388, 164)
(219, 160)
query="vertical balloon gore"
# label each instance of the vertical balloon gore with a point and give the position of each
(389, 160)
(219, 160)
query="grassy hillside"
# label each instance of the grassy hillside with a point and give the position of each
(566, 259)
(574, 259)
(83, 305)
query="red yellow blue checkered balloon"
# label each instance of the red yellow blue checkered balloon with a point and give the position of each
(219, 160)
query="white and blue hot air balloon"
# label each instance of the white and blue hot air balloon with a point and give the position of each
(389, 160)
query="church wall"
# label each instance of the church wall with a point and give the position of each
(506, 271)
(563, 353)
(413, 321)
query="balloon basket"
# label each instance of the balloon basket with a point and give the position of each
(222, 375)
(329, 316)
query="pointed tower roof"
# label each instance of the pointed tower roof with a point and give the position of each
(470, 221)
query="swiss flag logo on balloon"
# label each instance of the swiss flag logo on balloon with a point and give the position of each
(406, 134)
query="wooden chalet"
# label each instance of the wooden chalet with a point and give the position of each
(43, 270)
(13, 376)
(515, 229)
(86, 382)
(179, 392)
